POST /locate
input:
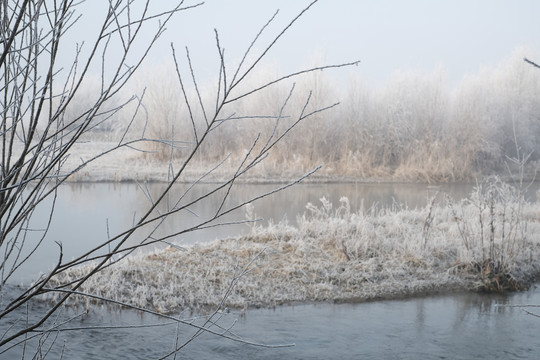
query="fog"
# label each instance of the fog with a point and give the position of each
(414, 127)
(441, 93)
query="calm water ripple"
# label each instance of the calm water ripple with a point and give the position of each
(463, 326)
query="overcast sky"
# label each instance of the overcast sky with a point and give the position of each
(461, 36)
(386, 35)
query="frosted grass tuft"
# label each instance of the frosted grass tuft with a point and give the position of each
(339, 256)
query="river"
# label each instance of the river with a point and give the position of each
(459, 326)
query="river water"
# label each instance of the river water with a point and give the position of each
(459, 326)
(90, 213)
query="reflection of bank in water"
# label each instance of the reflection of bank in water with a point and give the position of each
(464, 325)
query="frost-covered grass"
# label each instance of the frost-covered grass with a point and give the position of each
(489, 242)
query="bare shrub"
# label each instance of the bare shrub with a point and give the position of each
(38, 134)
(493, 227)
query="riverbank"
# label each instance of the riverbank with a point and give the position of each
(339, 256)
(133, 164)
(137, 164)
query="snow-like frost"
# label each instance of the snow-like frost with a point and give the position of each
(333, 255)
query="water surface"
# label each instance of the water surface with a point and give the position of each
(459, 326)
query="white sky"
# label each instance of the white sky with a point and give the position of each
(386, 35)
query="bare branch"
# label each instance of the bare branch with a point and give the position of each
(531, 62)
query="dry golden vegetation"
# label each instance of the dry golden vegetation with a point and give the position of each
(414, 128)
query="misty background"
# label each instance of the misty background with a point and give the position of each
(441, 94)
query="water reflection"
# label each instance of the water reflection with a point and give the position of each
(460, 326)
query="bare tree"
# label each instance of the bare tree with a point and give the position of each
(37, 136)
